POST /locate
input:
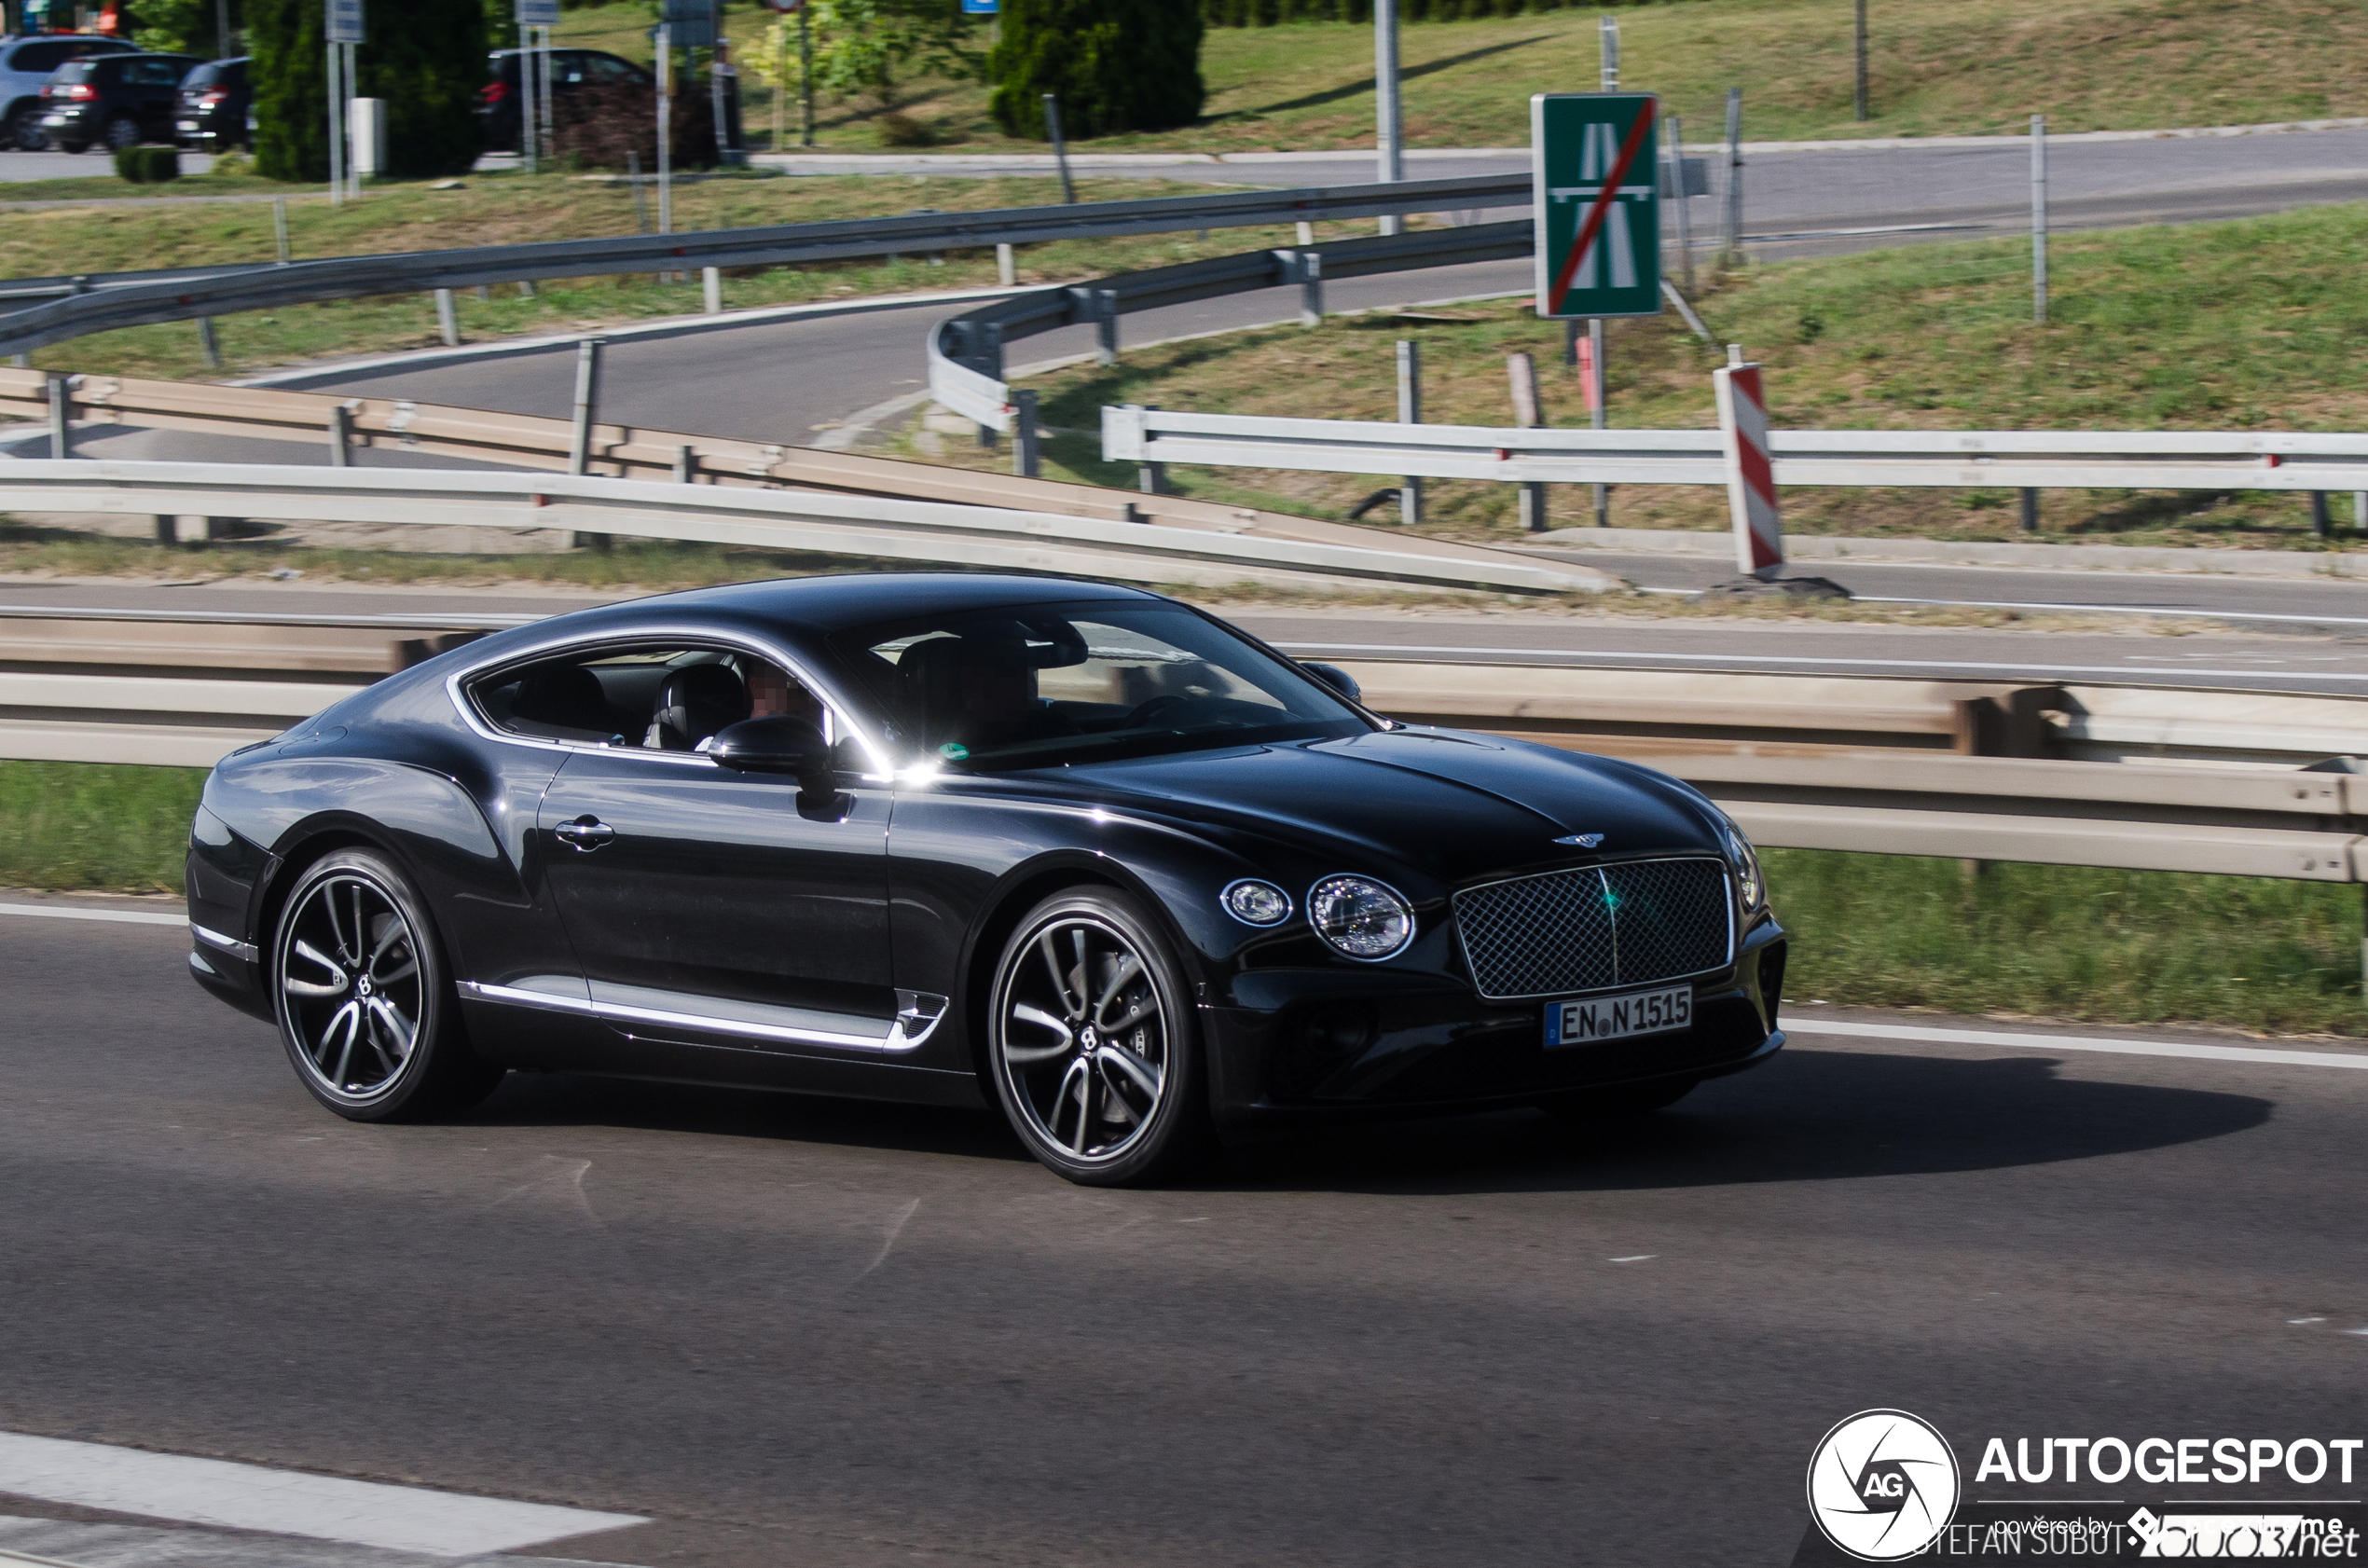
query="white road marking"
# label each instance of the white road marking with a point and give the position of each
(888, 1242)
(1640, 1258)
(2077, 1043)
(122, 916)
(238, 1496)
(1642, 657)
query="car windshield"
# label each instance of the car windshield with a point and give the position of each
(1048, 685)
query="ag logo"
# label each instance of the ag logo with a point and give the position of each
(1883, 1485)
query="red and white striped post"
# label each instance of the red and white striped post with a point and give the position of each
(1751, 477)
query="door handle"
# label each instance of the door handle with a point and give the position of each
(585, 833)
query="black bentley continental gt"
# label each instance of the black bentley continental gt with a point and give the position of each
(1079, 852)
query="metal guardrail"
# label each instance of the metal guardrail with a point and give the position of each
(1866, 764)
(2036, 459)
(871, 527)
(76, 307)
(966, 352)
(393, 425)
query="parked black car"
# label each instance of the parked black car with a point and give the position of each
(122, 100)
(25, 65)
(1082, 853)
(209, 113)
(500, 100)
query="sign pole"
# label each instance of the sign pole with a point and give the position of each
(336, 125)
(1388, 130)
(666, 143)
(1597, 415)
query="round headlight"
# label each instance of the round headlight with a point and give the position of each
(1256, 903)
(1745, 861)
(1361, 916)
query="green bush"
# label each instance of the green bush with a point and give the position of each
(147, 166)
(426, 59)
(1268, 13)
(1115, 66)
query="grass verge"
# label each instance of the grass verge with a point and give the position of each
(2252, 324)
(1966, 66)
(95, 826)
(2071, 941)
(1871, 930)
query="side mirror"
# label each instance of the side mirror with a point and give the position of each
(778, 743)
(1336, 678)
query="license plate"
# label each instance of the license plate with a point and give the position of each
(1603, 1018)
(185, 125)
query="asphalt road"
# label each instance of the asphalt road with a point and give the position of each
(791, 1330)
(2328, 659)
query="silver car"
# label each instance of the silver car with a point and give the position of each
(25, 65)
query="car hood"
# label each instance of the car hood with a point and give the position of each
(1451, 804)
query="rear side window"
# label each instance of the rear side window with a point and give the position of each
(203, 76)
(154, 73)
(641, 697)
(605, 71)
(80, 71)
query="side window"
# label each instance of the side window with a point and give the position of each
(39, 59)
(154, 73)
(604, 72)
(642, 697)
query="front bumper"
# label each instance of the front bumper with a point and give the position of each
(1320, 1055)
(72, 125)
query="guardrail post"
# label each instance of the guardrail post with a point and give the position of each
(1306, 233)
(206, 342)
(1007, 270)
(447, 325)
(686, 465)
(1311, 288)
(280, 229)
(61, 415)
(1106, 325)
(587, 402)
(711, 284)
(1733, 248)
(1522, 371)
(1024, 433)
(1150, 478)
(2318, 514)
(2360, 509)
(1409, 412)
(2030, 511)
(168, 531)
(340, 436)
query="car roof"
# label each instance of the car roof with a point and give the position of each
(828, 604)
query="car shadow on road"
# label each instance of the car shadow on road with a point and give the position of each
(559, 1099)
(1808, 1116)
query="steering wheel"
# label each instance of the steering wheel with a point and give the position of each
(1149, 712)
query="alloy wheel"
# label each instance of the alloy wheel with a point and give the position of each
(1082, 1040)
(351, 991)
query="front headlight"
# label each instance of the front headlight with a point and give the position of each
(1360, 917)
(1745, 859)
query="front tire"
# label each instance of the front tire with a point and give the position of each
(364, 1004)
(1093, 1044)
(122, 132)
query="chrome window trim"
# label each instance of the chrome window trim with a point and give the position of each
(232, 945)
(913, 1009)
(456, 685)
(1727, 875)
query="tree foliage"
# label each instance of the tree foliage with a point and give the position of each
(185, 26)
(865, 47)
(1115, 64)
(426, 59)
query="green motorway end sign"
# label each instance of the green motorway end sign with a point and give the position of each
(1596, 156)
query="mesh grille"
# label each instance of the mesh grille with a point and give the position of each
(1586, 930)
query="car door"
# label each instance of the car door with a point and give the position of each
(714, 908)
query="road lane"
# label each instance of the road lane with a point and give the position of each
(837, 1334)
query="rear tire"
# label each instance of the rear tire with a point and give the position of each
(1094, 1045)
(122, 132)
(364, 999)
(24, 130)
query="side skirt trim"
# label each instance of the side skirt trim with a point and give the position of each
(917, 1017)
